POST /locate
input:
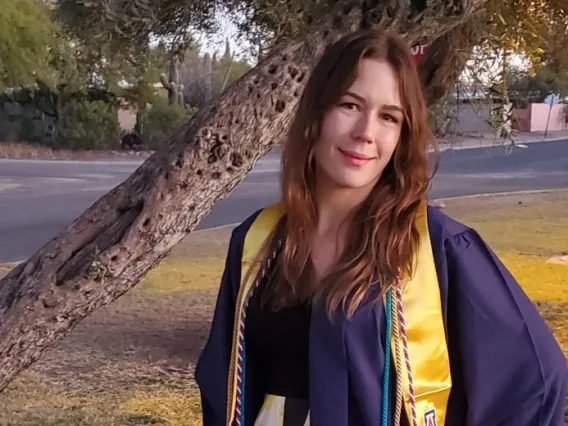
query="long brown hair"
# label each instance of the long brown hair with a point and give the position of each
(382, 236)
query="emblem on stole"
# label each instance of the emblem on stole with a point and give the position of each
(430, 417)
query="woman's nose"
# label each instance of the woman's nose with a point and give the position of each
(365, 128)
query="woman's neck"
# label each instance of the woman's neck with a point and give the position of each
(335, 208)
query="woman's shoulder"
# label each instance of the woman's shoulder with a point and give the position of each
(272, 213)
(450, 233)
(240, 231)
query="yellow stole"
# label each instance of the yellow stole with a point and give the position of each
(426, 337)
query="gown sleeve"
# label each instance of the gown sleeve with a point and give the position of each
(513, 370)
(211, 372)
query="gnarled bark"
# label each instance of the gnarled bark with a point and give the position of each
(107, 250)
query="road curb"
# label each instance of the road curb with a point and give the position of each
(489, 143)
(229, 225)
(496, 194)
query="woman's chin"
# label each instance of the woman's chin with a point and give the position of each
(352, 180)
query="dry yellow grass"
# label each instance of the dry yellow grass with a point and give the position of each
(194, 264)
(174, 408)
(534, 224)
(131, 363)
(543, 282)
(181, 275)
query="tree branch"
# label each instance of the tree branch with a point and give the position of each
(446, 58)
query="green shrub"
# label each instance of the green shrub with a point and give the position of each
(88, 125)
(161, 121)
(28, 132)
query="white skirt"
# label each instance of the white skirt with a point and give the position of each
(282, 411)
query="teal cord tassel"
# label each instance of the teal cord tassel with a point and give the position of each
(386, 375)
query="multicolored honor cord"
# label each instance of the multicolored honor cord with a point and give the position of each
(386, 371)
(398, 330)
(401, 339)
(241, 351)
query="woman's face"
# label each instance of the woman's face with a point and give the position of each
(359, 134)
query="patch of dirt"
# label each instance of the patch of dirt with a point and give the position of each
(497, 205)
(145, 342)
(126, 343)
(552, 312)
(560, 259)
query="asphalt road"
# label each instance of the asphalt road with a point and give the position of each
(39, 198)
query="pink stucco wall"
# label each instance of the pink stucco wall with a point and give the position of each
(539, 117)
(535, 117)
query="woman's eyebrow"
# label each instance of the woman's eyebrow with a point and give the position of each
(394, 108)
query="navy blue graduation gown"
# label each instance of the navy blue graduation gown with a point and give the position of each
(507, 368)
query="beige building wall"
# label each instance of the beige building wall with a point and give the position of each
(127, 119)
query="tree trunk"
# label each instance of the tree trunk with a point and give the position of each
(109, 248)
(446, 58)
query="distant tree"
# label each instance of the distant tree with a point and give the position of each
(121, 25)
(88, 125)
(527, 27)
(228, 69)
(527, 87)
(27, 36)
(195, 73)
(206, 77)
(139, 90)
(161, 121)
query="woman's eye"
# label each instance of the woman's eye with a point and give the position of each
(390, 118)
(349, 105)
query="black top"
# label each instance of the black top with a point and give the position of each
(278, 343)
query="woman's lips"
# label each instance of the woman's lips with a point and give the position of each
(355, 158)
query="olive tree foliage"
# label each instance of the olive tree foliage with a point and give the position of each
(262, 23)
(130, 24)
(27, 37)
(535, 28)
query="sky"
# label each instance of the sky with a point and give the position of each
(216, 43)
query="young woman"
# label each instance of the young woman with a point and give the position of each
(352, 302)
